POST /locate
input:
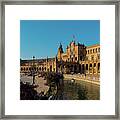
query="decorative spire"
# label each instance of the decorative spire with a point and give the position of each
(73, 36)
(47, 59)
(60, 45)
(60, 48)
(73, 39)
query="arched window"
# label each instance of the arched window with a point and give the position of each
(98, 66)
(96, 49)
(50, 68)
(45, 68)
(90, 65)
(94, 64)
(21, 69)
(88, 51)
(86, 66)
(40, 68)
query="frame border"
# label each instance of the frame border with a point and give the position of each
(61, 2)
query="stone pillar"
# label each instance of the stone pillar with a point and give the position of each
(96, 67)
(92, 68)
(88, 68)
(84, 68)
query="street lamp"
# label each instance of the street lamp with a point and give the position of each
(33, 72)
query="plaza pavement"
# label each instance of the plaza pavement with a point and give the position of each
(38, 81)
(41, 82)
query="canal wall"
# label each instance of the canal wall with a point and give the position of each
(90, 79)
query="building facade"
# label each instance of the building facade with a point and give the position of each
(77, 58)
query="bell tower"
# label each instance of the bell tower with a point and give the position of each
(60, 51)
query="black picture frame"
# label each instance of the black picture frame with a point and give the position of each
(2, 56)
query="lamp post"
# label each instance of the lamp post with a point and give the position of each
(33, 72)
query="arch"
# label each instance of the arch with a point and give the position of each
(75, 68)
(83, 69)
(50, 68)
(26, 68)
(90, 64)
(45, 68)
(86, 66)
(21, 69)
(30, 68)
(94, 64)
(40, 68)
(80, 69)
(98, 66)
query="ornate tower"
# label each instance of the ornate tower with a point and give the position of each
(60, 51)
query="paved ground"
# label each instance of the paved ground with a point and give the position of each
(26, 79)
(38, 81)
(41, 82)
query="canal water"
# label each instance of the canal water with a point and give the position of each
(80, 90)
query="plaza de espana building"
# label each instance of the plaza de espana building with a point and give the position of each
(78, 58)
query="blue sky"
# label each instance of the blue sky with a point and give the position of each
(41, 38)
